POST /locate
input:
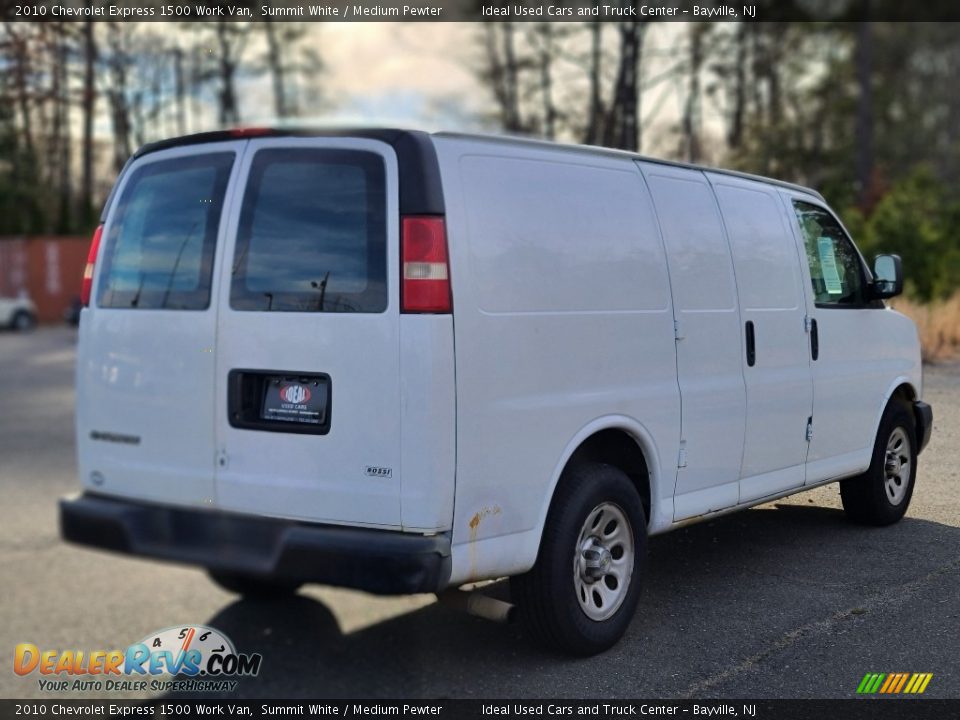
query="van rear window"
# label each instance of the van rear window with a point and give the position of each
(163, 235)
(312, 235)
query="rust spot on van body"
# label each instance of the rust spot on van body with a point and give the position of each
(474, 527)
(483, 513)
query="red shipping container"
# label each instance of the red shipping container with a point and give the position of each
(47, 268)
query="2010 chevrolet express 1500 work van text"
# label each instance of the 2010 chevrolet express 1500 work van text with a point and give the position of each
(402, 362)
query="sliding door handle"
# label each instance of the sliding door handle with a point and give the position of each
(814, 339)
(751, 345)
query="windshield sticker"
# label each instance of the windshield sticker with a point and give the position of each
(828, 266)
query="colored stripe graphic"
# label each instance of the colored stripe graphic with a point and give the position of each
(903, 680)
(894, 683)
(870, 683)
(918, 683)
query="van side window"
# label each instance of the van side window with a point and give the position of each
(836, 270)
(312, 234)
(163, 234)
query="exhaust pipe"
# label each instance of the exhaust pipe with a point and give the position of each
(479, 605)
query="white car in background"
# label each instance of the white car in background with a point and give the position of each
(18, 313)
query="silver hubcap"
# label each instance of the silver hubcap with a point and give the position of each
(896, 466)
(603, 561)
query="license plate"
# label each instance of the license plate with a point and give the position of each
(296, 400)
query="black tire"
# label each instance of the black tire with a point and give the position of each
(880, 496)
(23, 321)
(253, 587)
(547, 596)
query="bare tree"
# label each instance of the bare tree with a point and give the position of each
(118, 63)
(280, 39)
(230, 43)
(739, 91)
(622, 128)
(595, 112)
(546, 50)
(17, 51)
(89, 103)
(180, 90)
(63, 133)
(690, 122)
(502, 72)
(864, 132)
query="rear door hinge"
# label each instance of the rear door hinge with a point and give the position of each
(682, 455)
(677, 330)
(809, 429)
(807, 323)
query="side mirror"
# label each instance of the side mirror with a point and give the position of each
(887, 276)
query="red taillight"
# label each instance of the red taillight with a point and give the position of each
(245, 132)
(87, 283)
(424, 267)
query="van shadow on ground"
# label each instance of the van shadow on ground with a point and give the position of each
(715, 593)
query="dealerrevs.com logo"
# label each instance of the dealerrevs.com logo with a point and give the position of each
(191, 658)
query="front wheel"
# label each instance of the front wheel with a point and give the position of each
(583, 590)
(882, 494)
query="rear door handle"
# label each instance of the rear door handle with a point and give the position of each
(814, 339)
(751, 345)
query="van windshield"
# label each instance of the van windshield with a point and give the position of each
(312, 234)
(163, 235)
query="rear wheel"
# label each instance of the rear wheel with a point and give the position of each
(253, 587)
(882, 494)
(582, 593)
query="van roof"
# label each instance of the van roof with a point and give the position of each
(411, 149)
(613, 152)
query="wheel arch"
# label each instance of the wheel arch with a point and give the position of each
(901, 389)
(623, 442)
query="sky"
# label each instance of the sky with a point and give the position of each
(423, 75)
(413, 74)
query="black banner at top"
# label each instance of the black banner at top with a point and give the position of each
(478, 10)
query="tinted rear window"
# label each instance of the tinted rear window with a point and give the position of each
(160, 249)
(312, 234)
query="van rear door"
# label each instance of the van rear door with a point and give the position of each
(307, 366)
(145, 364)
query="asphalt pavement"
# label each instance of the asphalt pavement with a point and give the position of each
(784, 600)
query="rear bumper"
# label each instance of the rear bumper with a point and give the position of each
(378, 561)
(923, 415)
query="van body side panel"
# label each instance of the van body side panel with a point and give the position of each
(779, 387)
(709, 364)
(145, 366)
(863, 351)
(562, 315)
(428, 421)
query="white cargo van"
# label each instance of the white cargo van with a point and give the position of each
(403, 362)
